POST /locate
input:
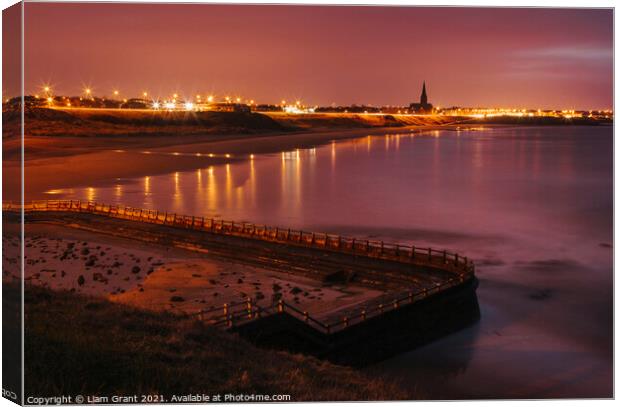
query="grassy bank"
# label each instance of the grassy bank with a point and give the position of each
(83, 345)
(64, 132)
(109, 122)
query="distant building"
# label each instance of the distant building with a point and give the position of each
(423, 106)
(230, 107)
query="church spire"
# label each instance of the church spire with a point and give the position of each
(423, 98)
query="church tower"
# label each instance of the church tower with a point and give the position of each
(423, 107)
(423, 98)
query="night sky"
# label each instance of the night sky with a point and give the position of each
(529, 58)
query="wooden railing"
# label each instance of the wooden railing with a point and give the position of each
(233, 314)
(427, 256)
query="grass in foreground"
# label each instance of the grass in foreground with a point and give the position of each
(83, 345)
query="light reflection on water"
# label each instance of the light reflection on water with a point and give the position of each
(527, 180)
(533, 207)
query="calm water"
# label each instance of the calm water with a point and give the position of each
(533, 207)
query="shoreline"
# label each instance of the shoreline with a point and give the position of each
(82, 168)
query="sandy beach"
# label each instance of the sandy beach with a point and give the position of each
(165, 278)
(83, 148)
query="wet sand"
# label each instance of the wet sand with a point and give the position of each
(67, 161)
(162, 278)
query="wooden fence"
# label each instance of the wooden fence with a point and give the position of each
(423, 256)
(237, 313)
(229, 315)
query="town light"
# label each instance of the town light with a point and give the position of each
(169, 105)
(210, 99)
(145, 94)
(156, 105)
(115, 93)
(189, 106)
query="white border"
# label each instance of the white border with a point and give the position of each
(474, 3)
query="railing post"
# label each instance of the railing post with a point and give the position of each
(412, 252)
(456, 259)
(345, 321)
(410, 297)
(227, 316)
(280, 306)
(363, 315)
(193, 220)
(312, 241)
(381, 308)
(397, 252)
(305, 316)
(288, 234)
(430, 255)
(445, 257)
(249, 305)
